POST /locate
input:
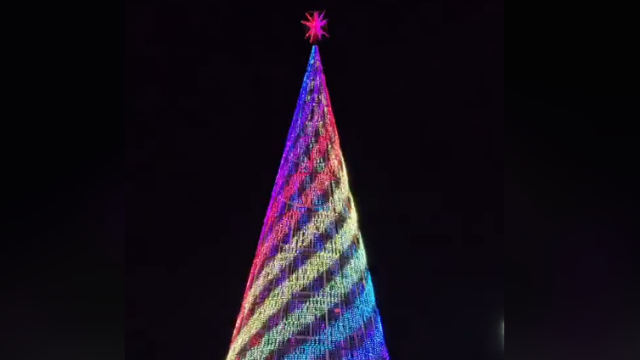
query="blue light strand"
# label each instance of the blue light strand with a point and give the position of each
(347, 324)
(374, 347)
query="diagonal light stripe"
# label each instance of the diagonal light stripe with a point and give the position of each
(297, 281)
(299, 113)
(293, 148)
(301, 240)
(295, 180)
(315, 266)
(292, 139)
(374, 346)
(283, 226)
(314, 307)
(281, 229)
(352, 320)
(274, 208)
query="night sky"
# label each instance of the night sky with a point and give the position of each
(417, 91)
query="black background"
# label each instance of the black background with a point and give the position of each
(417, 91)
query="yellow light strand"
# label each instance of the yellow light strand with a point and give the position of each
(317, 264)
(316, 306)
(301, 240)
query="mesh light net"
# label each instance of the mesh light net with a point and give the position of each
(309, 294)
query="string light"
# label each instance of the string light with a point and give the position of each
(350, 322)
(309, 291)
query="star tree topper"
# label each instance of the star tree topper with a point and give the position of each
(315, 25)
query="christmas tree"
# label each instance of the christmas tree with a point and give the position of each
(309, 294)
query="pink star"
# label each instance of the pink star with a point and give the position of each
(315, 25)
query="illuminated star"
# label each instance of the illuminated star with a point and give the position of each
(315, 25)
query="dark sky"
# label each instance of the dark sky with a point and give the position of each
(417, 91)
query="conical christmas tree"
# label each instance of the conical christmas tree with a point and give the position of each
(309, 294)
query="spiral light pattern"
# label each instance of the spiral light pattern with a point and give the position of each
(309, 294)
